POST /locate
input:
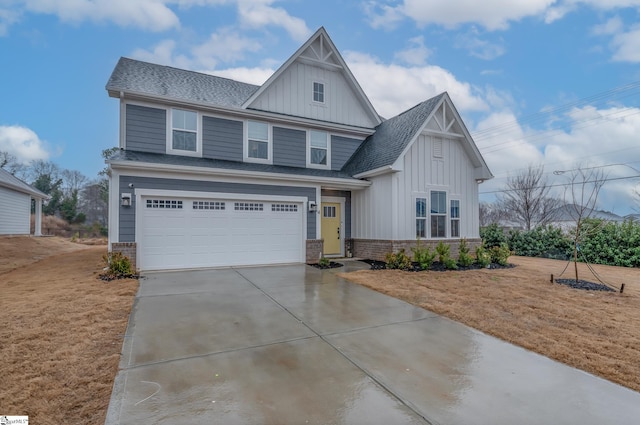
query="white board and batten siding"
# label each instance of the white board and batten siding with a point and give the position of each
(374, 210)
(391, 197)
(292, 94)
(440, 164)
(15, 211)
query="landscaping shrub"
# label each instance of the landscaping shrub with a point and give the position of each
(118, 266)
(492, 235)
(483, 258)
(399, 260)
(444, 251)
(423, 255)
(324, 262)
(616, 244)
(464, 258)
(500, 254)
(544, 241)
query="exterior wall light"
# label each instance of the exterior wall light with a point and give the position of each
(313, 207)
(125, 199)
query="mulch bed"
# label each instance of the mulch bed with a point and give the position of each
(436, 266)
(584, 285)
(332, 265)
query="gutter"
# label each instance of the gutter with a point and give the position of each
(352, 184)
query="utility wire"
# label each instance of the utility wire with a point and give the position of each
(564, 184)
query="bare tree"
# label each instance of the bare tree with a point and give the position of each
(72, 182)
(581, 198)
(527, 199)
(10, 163)
(93, 204)
(490, 212)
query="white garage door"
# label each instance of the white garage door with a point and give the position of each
(178, 233)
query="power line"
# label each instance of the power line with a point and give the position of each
(563, 184)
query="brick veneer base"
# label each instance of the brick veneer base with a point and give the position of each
(128, 249)
(314, 250)
(377, 249)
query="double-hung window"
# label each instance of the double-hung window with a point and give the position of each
(318, 148)
(184, 130)
(318, 92)
(438, 214)
(421, 217)
(258, 140)
(455, 218)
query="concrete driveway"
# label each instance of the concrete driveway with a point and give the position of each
(296, 345)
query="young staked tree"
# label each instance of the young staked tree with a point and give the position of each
(581, 198)
(527, 200)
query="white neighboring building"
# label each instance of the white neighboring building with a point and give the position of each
(15, 205)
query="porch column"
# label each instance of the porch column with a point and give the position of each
(38, 217)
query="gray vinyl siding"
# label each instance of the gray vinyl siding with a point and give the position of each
(289, 147)
(347, 207)
(222, 139)
(146, 129)
(15, 211)
(127, 231)
(341, 150)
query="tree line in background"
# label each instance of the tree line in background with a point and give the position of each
(75, 198)
(560, 227)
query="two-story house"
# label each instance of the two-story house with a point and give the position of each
(215, 172)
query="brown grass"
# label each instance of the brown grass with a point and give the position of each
(61, 330)
(597, 332)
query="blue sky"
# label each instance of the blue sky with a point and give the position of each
(537, 82)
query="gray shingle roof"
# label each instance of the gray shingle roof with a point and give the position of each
(188, 161)
(131, 75)
(390, 139)
(12, 182)
(568, 213)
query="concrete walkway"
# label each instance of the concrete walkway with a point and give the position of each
(296, 345)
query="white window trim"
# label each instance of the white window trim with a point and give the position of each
(324, 92)
(245, 145)
(170, 150)
(319, 166)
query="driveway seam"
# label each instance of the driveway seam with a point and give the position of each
(409, 405)
(214, 353)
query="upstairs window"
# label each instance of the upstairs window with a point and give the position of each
(438, 214)
(318, 148)
(455, 218)
(184, 130)
(258, 140)
(318, 92)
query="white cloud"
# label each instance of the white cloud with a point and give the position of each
(394, 88)
(23, 143)
(612, 26)
(416, 54)
(261, 13)
(491, 14)
(153, 15)
(224, 46)
(587, 136)
(478, 47)
(382, 15)
(626, 46)
(7, 18)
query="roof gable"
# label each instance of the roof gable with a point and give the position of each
(394, 137)
(289, 90)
